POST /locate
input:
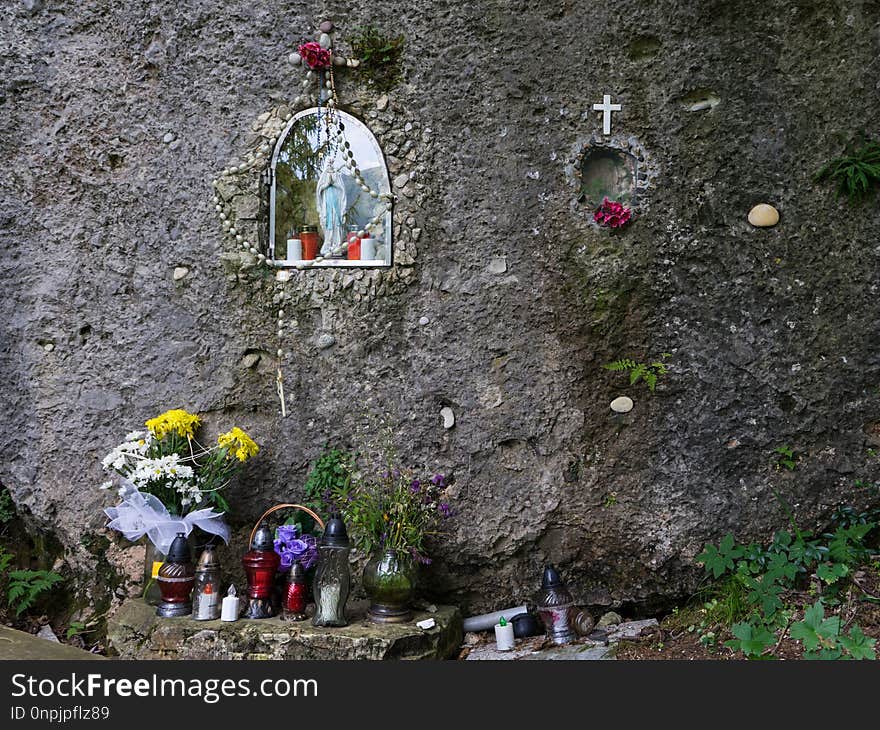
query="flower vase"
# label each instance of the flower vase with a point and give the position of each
(389, 580)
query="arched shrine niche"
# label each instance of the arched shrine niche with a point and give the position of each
(615, 169)
(329, 194)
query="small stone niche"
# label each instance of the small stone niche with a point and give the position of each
(607, 172)
(617, 168)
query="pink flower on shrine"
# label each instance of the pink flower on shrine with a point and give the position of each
(314, 56)
(612, 214)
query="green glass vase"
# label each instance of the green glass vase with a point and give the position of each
(389, 580)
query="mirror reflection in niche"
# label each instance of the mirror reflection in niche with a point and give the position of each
(608, 172)
(315, 202)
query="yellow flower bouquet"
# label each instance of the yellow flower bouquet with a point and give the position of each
(167, 461)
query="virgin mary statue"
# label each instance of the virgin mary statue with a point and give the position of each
(331, 201)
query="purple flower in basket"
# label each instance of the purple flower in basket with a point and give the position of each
(291, 546)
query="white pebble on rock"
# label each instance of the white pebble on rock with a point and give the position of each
(448, 417)
(763, 216)
(326, 340)
(423, 321)
(295, 59)
(324, 40)
(623, 404)
(168, 138)
(180, 272)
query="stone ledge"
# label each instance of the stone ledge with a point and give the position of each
(16, 644)
(135, 632)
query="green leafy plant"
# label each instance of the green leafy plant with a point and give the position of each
(822, 639)
(785, 457)
(7, 507)
(648, 372)
(856, 173)
(759, 579)
(751, 639)
(327, 485)
(6, 559)
(25, 586)
(380, 56)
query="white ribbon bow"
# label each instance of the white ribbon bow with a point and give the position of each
(142, 514)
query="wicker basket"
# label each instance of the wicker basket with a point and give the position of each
(278, 507)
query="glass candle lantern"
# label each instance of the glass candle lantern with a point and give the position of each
(206, 593)
(176, 578)
(260, 565)
(295, 593)
(308, 237)
(556, 608)
(333, 577)
(354, 244)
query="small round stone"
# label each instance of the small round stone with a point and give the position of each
(280, 352)
(763, 216)
(324, 41)
(326, 26)
(623, 404)
(423, 321)
(295, 59)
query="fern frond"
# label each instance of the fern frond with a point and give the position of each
(621, 365)
(637, 372)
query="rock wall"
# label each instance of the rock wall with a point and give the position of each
(116, 118)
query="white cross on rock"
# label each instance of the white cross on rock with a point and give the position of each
(606, 107)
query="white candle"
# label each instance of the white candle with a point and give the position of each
(368, 249)
(294, 249)
(504, 640)
(229, 611)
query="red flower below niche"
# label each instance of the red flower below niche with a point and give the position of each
(314, 56)
(612, 214)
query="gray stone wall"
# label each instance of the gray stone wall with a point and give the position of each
(772, 332)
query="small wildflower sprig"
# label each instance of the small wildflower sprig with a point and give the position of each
(612, 214)
(168, 462)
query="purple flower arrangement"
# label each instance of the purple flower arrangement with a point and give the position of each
(292, 546)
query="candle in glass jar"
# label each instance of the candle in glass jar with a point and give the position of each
(354, 244)
(308, 236)
(368, 248)
(294, 249)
